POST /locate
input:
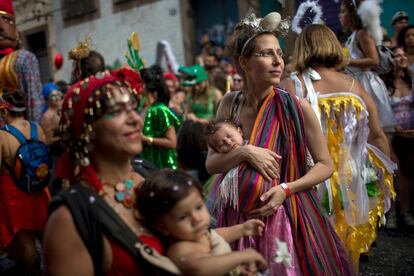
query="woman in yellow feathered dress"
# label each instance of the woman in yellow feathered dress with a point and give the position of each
(359, 191)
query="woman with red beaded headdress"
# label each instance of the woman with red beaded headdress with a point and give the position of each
(102, 131)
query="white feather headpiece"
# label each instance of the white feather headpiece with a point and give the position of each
(369, 11)
(305, 6)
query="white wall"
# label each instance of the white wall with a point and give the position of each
(153, 22)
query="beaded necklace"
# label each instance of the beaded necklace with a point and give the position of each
(124, 192)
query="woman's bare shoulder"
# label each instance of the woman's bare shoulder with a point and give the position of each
(223, 110)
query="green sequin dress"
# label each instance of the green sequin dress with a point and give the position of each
(158, 120)
(204, 110)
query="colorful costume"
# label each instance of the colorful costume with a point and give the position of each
(19, 71)
(404, 110)
(298, 238)
(203, 110)
(359, 191)
(158, 119)
(373, 84)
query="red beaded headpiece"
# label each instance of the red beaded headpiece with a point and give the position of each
(81, 107)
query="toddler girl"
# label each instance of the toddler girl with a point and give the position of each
(171, 204)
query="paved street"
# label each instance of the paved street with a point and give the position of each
(393, 254)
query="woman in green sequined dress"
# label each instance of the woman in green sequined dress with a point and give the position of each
(159, 136)
(203, 98)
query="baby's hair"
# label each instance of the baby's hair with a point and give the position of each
(161, 191)
(215, 125)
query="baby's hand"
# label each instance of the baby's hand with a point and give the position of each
(255, 262)
(253, 227)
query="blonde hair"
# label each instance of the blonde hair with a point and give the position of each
(317, 45)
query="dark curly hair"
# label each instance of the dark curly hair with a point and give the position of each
(390, 77)
(155, 82)
(215, 125)
(401, 37)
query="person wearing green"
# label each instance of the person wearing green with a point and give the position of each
(202, 98)
(159, 136)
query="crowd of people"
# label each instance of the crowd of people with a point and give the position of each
(248, 162)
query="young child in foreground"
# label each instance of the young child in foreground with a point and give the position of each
(171, 204)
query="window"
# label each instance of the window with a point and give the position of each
(78, 8)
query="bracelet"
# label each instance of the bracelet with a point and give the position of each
(286, 189)
(150, 141)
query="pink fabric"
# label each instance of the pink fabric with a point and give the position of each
(277, 227)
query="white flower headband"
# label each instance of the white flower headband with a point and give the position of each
(270, 23)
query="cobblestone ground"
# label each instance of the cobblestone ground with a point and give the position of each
(392, 255)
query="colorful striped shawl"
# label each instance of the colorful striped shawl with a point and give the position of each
(278, 127)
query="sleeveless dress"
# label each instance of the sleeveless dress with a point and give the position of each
(158, 119)
(359, 192)
(403, 108)
(298, 239)
(403, 145)
(203, 110)
(373, 84)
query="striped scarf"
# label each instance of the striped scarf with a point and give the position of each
(278, 127)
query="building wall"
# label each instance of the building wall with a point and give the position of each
(110, 28)
(33, 17)
(390, 7)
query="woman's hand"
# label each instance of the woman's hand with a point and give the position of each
(253, 227)
(265, 161)
(276, 196)
(192, 117)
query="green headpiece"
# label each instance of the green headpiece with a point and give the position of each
(192, 75)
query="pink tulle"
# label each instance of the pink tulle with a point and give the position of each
(277, 227)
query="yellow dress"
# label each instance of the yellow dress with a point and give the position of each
(361, 188)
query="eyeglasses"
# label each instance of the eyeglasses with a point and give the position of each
(270, 53)
(237, 80)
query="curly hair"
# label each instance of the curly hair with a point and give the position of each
(401, 36)
(155, 82)
(214, 125)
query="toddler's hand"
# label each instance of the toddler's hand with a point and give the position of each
(253, 227)
(255, 262)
